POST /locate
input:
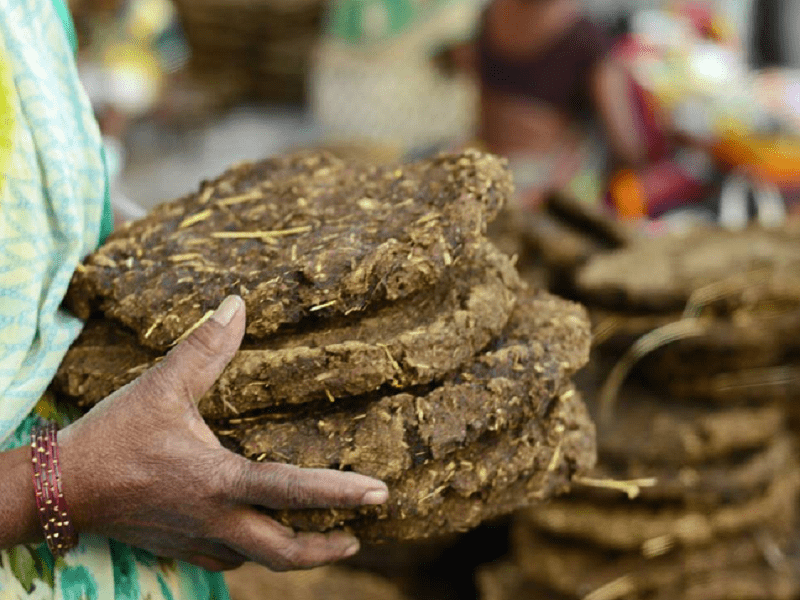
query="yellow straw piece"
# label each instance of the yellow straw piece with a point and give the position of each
(189, 221)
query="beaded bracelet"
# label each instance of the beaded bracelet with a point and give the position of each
(50, 502)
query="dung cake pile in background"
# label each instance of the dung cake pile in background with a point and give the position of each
(696, 488)
(553, 243)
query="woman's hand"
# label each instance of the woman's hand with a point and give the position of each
(143, 468)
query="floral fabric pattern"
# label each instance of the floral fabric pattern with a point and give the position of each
(53, 188)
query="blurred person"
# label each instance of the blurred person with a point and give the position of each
(547, 73)
(544, 70)
(156, 502)
(710, 120)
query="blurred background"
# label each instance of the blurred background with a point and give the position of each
(664, 112)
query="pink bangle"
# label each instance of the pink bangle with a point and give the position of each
(50, 502)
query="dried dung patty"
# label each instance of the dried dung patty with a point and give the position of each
(661, 274)
(296, 235)
(632, 526)
(496, 475)
(505, 233)
(567, 233)
(506, 581)
(594, 221)
(405, 343)
(723, 346)
(545, 342)
(734, 479)
(654, 429)
(579, 571)
(104, 358)
(616, 331)
(329, 583)
(716, 344)
(764, 385)
(749, 583)
(559, 246)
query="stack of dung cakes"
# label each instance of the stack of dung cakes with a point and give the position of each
(553, 243)
(712, 517)
(695, 494)
(385, 334)
(731, 301)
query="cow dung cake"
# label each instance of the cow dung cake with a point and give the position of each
(554, 242)
(490, 438)
(777, 384)
(732, 479)
(683, 433)
(620, 526)
(386, 335)
(306, 234)
(661, 274)
(731, 327)
(706, 510)
(500, 473)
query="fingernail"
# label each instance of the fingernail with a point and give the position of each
(227, 310)
(375, 497)
(352, 549)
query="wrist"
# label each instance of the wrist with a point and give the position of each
(19, 522)
(52, 508)
(77, 494)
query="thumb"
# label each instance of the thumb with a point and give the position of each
(192, 367)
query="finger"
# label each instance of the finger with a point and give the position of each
(192, 367)
(207, 554)
(268, 543)
(205, 549)
(212, 564)
(280, 487)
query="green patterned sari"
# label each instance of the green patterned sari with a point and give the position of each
(54, 210)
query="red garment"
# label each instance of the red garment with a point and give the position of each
(665, 183)
(557, 76)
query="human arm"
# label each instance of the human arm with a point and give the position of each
(610, 89)
(18, 520)
(143, 468)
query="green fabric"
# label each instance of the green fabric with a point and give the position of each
(107, 220)
(359, 21)
(367, 22)
(66, 20)
(54, 194)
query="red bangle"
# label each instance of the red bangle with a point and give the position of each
(50, 502)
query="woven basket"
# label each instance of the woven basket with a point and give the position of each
(262, 45)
